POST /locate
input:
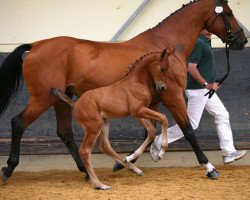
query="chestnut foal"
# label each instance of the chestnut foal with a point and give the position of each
(129, 96)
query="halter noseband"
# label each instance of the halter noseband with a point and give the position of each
(231, 38)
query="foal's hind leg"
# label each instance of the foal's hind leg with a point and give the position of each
(106, 148)
(19, 124)
(64, 131)
(92, 131)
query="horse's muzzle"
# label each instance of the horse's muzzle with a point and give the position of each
(238, 44)
(160, 87)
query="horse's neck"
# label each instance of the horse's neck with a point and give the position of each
(181, 29)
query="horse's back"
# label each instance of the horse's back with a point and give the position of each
(81, 64)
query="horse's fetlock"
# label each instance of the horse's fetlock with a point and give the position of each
(13, 162)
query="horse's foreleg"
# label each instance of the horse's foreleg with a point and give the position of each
(19, 125)
(64, 131)
(105, 146)
(178, 109)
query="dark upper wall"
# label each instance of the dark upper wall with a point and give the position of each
(126, 134)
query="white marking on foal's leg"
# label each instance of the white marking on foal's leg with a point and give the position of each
(130, 157)
(138, 171)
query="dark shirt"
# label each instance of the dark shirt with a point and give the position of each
(203, 56)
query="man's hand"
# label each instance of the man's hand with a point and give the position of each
(213, 86)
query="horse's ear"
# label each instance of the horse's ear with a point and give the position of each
(163, 53)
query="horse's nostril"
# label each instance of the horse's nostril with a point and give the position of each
(245, 41)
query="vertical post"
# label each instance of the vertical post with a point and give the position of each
(129, 20)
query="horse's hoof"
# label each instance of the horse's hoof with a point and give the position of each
(214, 174)
(117, 166)
(103, 187)
(4, 177)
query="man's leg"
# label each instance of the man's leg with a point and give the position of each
(195, 107)
(221, 119)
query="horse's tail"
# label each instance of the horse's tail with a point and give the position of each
(11, 76)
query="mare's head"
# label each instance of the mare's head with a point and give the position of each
(222, 23)
(158, 70)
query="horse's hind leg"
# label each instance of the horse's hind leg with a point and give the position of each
(64, 131)
(19, 124)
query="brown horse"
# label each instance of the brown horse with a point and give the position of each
(76, 66)
(129, 96)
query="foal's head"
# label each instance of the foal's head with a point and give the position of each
(158, 69)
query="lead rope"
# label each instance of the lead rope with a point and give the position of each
(211, 92)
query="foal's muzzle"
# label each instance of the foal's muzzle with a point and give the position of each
(160, 87)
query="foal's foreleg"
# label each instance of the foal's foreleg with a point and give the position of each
(106, 148)
(147, 113)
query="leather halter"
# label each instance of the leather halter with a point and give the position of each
(231, 36)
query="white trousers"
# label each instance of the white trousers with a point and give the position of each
(195, 107)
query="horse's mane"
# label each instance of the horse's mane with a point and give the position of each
(183, 6)
(139, 60)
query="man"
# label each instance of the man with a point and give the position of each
(201, 79)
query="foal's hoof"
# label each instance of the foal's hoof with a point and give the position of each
(117, 166)
(155, 153)
(140, 173)
(4, 177)
(103, 187)
(214, 174)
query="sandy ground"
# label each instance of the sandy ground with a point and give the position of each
(158, 183)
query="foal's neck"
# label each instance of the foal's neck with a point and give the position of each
(141, 71)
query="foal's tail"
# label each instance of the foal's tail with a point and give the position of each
(58, 93)
(11, 76)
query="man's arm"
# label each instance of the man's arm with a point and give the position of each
(193, 71)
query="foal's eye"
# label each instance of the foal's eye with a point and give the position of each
(163, 69)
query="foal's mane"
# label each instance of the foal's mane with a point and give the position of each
(138, 61)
